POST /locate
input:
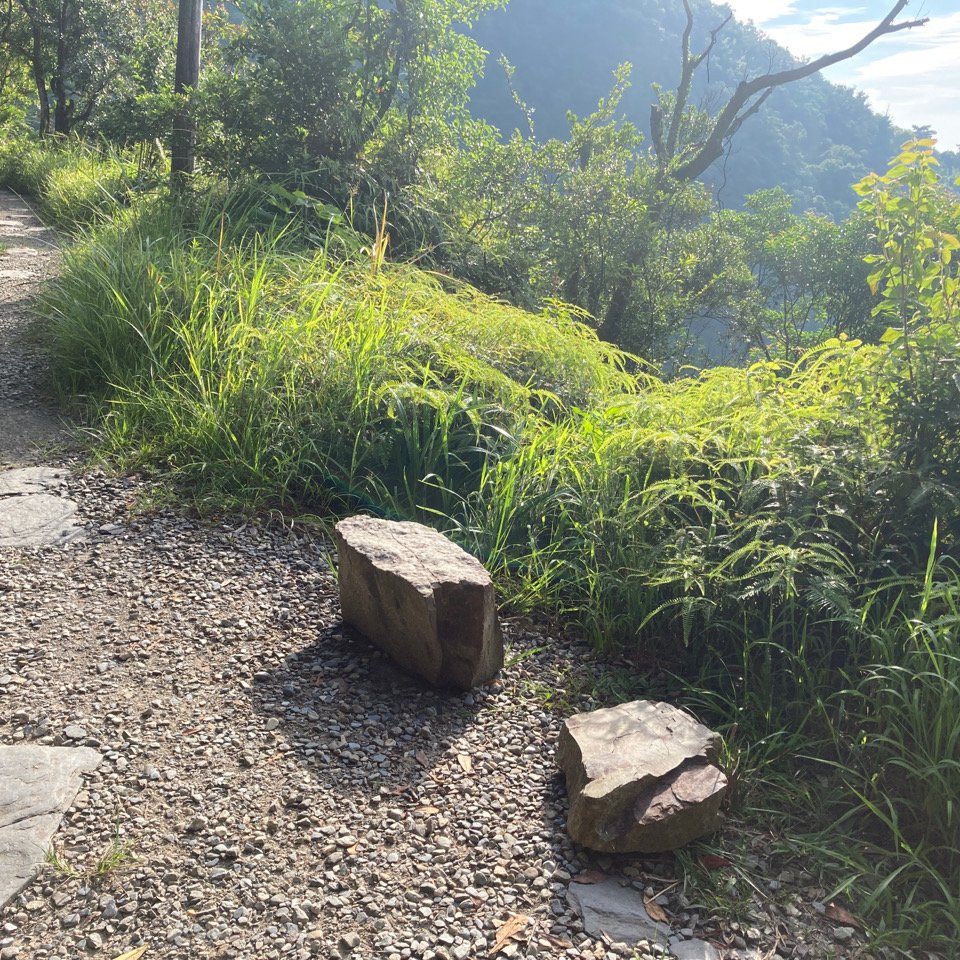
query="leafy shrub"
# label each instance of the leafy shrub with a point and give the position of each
(917, 226)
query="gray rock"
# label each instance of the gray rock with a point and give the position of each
(640, 778)
(75, 732)
(37, 520)
(695, 950)
(37, 784)
(619, 912)
(27, 480)
(348, 943)
(421, 599)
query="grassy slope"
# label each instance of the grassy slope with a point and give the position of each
(734, 524)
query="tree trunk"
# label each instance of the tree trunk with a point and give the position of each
(611, 329)
(36, 63)
(63, 105)
(189, 24)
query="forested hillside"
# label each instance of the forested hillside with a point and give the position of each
(812, 138)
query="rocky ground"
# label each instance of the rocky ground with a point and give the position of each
(271, 786)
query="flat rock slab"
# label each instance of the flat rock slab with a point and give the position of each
(37, 520)
(422, 599)
(37, 786)
(617, 911)
(640, 777)
(28, 480)
(695, 950)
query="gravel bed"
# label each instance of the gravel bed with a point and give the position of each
(271, 787)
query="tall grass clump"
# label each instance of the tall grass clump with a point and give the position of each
(74, 183)
(901, 761)
(278, 375)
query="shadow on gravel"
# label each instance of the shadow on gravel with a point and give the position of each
(356, 721)
(464, 781)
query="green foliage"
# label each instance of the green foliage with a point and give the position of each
(917, 224)
(328, 81)
(81, 50)
(14, 76)
(810, 278)
(900, 759)
(587, 220)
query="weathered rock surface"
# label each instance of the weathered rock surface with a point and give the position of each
(37, 785)
(27, 480)
(695, 950)
(422, 599)
(617, 911)
(37, 520)
(640, 778)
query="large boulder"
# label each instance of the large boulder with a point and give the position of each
(641, 778)
(420, 598)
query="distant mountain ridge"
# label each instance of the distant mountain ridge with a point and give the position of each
(813, 138)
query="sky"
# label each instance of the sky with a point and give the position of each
(913, 75)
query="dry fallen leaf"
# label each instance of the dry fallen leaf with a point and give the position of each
(135, 954)
(426, 811)
(465, 762)
(842, 916)
(508, 931)
(558, 942)
(710, 861)
(656, 912)
(422, 758)
(590, 876)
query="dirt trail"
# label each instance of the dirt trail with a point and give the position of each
(30, 428)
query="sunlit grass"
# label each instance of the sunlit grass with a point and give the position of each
(73, 183)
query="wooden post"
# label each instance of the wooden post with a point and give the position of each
(189, 25)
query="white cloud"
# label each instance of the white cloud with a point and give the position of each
(918, 83)
(913, 75)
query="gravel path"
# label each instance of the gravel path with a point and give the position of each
(29, 426)
(271, 786)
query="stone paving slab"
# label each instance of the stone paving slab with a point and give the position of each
(37, 786)
(27, 480)
(37, 520)
(616, 911)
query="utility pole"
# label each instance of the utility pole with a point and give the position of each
(189, 23)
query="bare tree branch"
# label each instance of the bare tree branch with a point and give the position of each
(688, 67)
(742, 104)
